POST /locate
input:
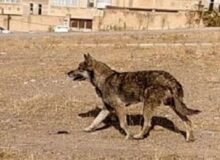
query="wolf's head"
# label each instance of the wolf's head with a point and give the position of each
(92, 70)
(84, 70)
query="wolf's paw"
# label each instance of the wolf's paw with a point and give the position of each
(190, 137)
(138, 136)
(129, 136)
(88, 129)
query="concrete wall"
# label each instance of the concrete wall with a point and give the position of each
(75, 12)
(177, 4)
(161, 4)
(6, 8)
(76, 4)
(3, 21)
(139, 20)
(31, 22)
(123, 20)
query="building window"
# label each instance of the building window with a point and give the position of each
(211, 5)
(31, 8)
(74, 23)
(9, 1)
(39, 9)
(81, 23)
(91, 4)
(88, 24)
(65, 2)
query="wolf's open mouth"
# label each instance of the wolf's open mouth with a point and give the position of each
(79, 78)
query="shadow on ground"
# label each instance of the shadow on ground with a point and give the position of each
(133, 120)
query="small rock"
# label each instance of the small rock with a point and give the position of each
(213, 79)
(62, 132)
(42, 64)
(32, 80)
(25, 83)
(3, 53)
(54, 81)
(216, 118)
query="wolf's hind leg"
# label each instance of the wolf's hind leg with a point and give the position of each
(148, 111)
(101, 116)
(152, 99)
(184, 118)
(148, 114)
(188, 125)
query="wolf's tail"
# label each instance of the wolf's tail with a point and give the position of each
(182, 109)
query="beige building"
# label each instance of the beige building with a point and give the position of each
(87, 15)
(35, 7)
(211, 3)
(10, 7)
(150, 4)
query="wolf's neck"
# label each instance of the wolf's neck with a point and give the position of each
(101, 73)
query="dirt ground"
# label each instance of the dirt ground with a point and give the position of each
(43, 113)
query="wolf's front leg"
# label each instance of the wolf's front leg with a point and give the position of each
(101, 116)
(120, 111)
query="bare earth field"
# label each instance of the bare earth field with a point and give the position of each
(42, 112)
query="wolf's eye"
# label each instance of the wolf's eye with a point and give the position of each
(80, 68)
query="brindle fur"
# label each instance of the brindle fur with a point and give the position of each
(120, 89)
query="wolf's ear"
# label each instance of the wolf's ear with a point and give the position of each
(85, 56)
(88, 58)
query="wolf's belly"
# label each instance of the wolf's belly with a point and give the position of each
(130, 98)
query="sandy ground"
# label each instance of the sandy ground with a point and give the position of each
(42, 112)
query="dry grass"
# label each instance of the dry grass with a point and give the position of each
(12, 154)
(37, 99)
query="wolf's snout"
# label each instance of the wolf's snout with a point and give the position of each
(75, 75)
(70, 73)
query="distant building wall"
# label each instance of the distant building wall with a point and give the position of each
(3, 21)
(31, 22)
(76, 12)
(70, 3)
(6, 8)
(160, 4)
(123, 20)
(139, 20)
(83, 15)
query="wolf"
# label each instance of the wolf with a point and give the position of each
(120, 89)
